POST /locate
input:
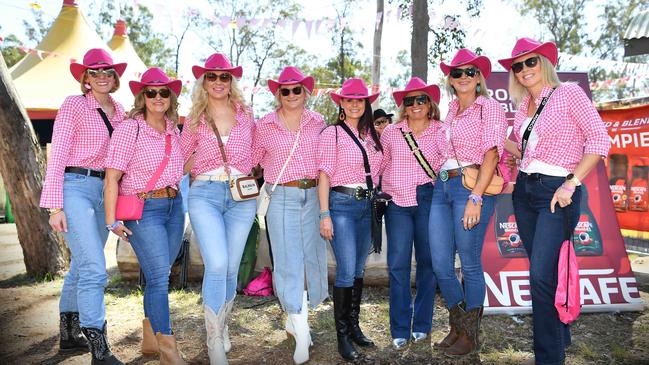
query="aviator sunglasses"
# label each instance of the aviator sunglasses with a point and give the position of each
(224, 77)
(420, 99)
(530, 63)
(151, 93)
(456, 73)
(296, 91)
(380, 121)
(108, 72)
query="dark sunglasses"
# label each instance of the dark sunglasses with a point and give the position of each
(152, 93)
(224, 77)
(381, 121)
(420, 99)
(108, 72)
(456, 73)
(296, 90)
(530, 63)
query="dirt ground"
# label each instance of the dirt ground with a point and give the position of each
(29, 326)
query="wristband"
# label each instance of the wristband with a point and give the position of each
(564, 187)
(112, 227)
(475, 199)
(325, 214)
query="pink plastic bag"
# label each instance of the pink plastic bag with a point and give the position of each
(505, 171)
(567, 299)
(261, 286)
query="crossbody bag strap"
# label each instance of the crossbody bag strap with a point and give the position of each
(414, 147)
(528, 130)
(281, 172)
(104, 117)
(210, 121)
(163, 165)
(366, 161)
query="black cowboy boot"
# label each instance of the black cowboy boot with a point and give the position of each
(342, 303)
(98, 343)
(355, 330)
(71, 338)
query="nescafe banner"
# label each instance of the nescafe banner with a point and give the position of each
(607, 282)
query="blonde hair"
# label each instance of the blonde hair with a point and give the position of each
(200, 99)
(481, 82)
(139, 106)
(83, 81)
(518, 92)
(433, 110)
(278, 100)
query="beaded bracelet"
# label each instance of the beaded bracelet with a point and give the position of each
(324, 214)
(475, 199)
(564, 187)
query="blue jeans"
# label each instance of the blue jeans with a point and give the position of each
(447, 234)
(531, 197)
(222, 226)
(83, 287)
(298, 248)
(156, 240)
(405, 225)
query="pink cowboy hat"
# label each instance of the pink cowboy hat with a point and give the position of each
(467, 57)
(217, 62)
(291, 75)
(417, 84)
(528, 45)
(155, 77)
(353, 88)
(94, 59)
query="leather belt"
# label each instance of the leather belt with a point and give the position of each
(357, 193)
(444, 175)
(301, 184)
(167, 192)
(86, 172)
(212, 177)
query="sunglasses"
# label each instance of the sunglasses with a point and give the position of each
(530, 63)
(108, 72)
(456, 73)
(224, 77)
(420, 99)
(380, 122)
(152, 93)
(286, 92)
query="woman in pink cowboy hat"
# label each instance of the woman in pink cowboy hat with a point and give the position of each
(344, 194)
(471, 136)
(72, 193)
(561, 139)
(218, 121)
(284, 143)
(410, 159)
(144, 159)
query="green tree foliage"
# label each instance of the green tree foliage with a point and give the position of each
(10, 47)
(562, 19)
(36, 31)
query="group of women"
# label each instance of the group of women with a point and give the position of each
(321, 180)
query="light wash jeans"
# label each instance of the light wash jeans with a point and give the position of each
(83, 286)
(222, 226)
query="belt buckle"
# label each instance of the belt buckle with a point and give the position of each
(360, 193)
(443, 175)
(303, 184)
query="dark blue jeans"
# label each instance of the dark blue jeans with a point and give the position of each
(531, 197)
(405, 226)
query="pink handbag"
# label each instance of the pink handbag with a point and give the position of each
(567, 299)
(130, 207)
(261, 286)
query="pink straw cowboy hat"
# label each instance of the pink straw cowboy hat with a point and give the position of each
(353, 88)
(217, 62)
(291, 75)
(467, 57)
(155, 77)
(417, 84)
(96, 58)
(528, 45)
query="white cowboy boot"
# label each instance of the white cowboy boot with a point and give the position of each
(214, 325)
(227, 345)
(300, 329)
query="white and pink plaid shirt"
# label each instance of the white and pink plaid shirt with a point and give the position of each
(341, 159)
(137, 150)
(568, 127)
(203, 143)
(401, 171)
(80, 139)
(272, 143)
(479, 128)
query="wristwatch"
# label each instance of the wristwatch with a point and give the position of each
(573, 179)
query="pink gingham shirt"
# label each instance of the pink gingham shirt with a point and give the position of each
(80, 139)
(272, 143)
(568, 127)
(203, 143)
(342, 160)
(479, 128)
(401, 171)
(138, 153)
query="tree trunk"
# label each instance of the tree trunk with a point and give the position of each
(376, 60)
(419, 40)
(22, 166)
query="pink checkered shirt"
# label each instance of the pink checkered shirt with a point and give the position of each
(138, 154)
(568, 127)
(80, 139)
(479, 128)
(400, 169)
(202, 142)
(272, 144)
(342, 160)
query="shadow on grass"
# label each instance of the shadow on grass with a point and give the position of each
(25, 279)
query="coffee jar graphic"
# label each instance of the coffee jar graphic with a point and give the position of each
(638, 192)
(507, 238)
(618, 165)
(587, 237)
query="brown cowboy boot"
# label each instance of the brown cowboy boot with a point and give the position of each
(467, 341)
(149, 342)
(454, 316)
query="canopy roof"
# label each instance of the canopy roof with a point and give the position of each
(636, 36)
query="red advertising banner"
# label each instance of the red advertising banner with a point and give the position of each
(607, 282)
